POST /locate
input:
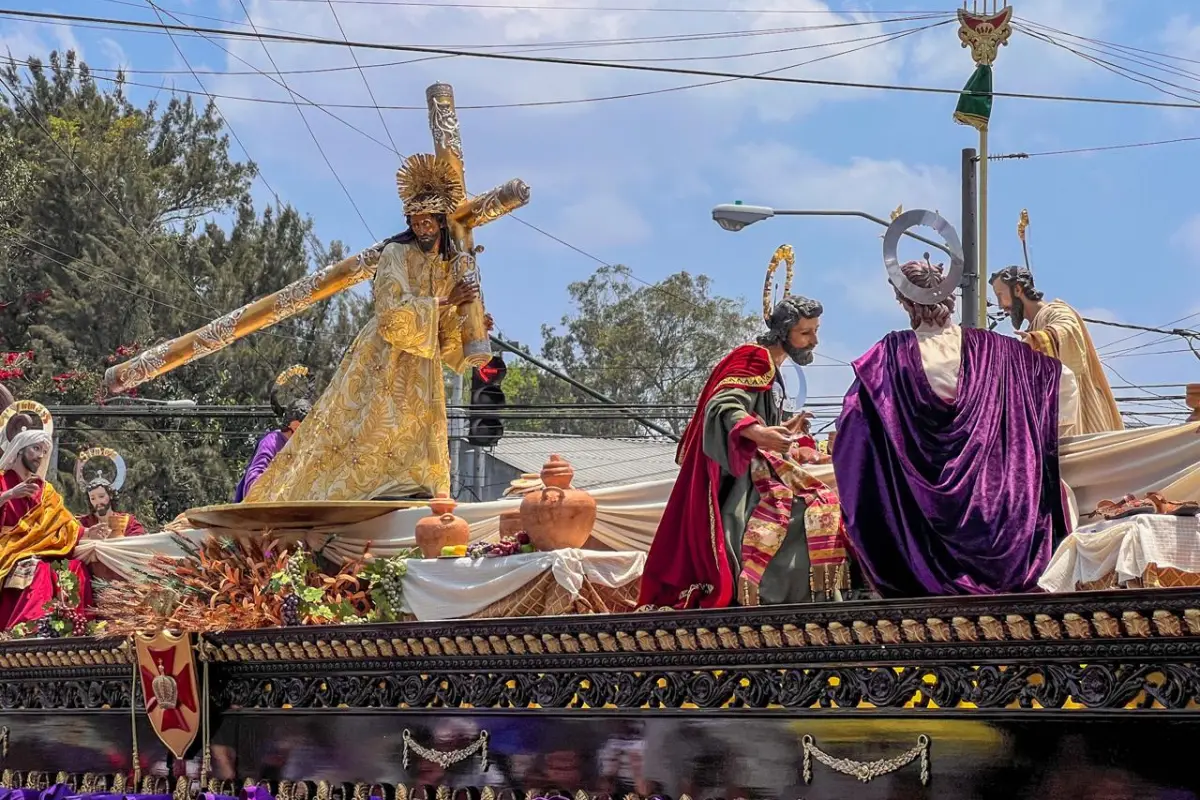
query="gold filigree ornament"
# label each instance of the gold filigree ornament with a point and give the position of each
(985, 33)
(783, 254)
(866, 771)
(429, 185)
(21, 415)
(449, 758)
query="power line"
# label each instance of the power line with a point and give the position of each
(362, 74)
(876, 39)
(40, 15)
(594, 9)
(1098, 149)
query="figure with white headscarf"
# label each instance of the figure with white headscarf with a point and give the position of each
(36, 529)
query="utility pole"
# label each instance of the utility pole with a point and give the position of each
(456, 433)
(971, 278)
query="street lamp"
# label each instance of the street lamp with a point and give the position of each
(735, 216)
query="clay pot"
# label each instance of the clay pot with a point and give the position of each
(441, 529)
(558, 517)
(510, 522)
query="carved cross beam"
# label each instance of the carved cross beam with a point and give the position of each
(474, 212)
(317, 286)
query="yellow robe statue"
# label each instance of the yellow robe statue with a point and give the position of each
(380, 427)
(1058, 331)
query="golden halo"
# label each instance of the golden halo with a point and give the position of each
(785, 254)
(16, 417)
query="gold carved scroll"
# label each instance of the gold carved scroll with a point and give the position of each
(480, 210)
(219, 334)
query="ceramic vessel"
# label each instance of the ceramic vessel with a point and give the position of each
(441, 528)
(556, 516)
(510, 522)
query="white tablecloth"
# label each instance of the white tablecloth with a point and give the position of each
(1126, 547)
(445, 588)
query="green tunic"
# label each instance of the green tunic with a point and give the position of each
(786, 578)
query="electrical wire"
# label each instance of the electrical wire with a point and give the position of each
(593, 9)
(876, 39)
(362, 74)
(318, 41)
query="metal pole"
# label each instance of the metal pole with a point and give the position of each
(971, 277)
(456, 433)
(861, 215)
(589, 391)
(982, 256)
(480, 472)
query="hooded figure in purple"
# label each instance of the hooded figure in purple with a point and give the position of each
(947, 455)
(289, 394)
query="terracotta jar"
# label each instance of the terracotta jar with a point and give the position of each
(441, 528)
(556, 516)
(510, 522)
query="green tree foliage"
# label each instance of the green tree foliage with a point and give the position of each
(135, 225)
(650, 345)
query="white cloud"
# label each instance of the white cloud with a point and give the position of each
(604, 220)
(1187, 237)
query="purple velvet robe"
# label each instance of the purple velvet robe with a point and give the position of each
(951, 498)
(268, 447)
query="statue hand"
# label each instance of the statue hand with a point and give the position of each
(800, 423)
(489, 324)
(462, 293)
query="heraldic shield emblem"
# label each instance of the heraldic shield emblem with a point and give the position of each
(167, 666)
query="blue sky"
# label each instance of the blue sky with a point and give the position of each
(632, 181)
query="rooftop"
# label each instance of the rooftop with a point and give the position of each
(598, 462)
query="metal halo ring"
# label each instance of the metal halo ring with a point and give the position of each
(891, 240)
(118, 462)
(787, 256)
(31, 409)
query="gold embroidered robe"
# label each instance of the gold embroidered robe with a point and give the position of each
(1058, 331)
(380, 427)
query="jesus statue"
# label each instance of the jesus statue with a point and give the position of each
(380, 427)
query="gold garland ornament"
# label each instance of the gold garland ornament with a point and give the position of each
(447, 759)
(866, 771)
(114, 477)
(429, 185)
(786, 255)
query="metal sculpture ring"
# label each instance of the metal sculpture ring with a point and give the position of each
(21, 415)
(785, 254)
(115, 475)
(891, 240)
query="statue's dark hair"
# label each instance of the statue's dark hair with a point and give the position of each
(787, 313)
(297, 410)
(1018, 276)
(408, 237)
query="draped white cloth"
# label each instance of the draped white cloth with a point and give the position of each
(1125, 547)
(456, 588)
(1097, 467)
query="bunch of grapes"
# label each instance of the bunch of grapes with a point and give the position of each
(44, 629)
(297, 568)
(291, 610)
(76, 619)
(507, 546)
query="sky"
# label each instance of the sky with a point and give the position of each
(632, 179)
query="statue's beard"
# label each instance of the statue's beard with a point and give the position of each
(801, 355)
(31, 464)
(1017, 313)
(428, 242)
(102, 510)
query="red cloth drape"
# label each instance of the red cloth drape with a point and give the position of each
(687, 565)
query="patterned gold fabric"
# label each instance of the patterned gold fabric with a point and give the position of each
(380, 427)
(47, 530)
(544, 596)
(1058, 331)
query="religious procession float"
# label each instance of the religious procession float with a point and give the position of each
(982, 587)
